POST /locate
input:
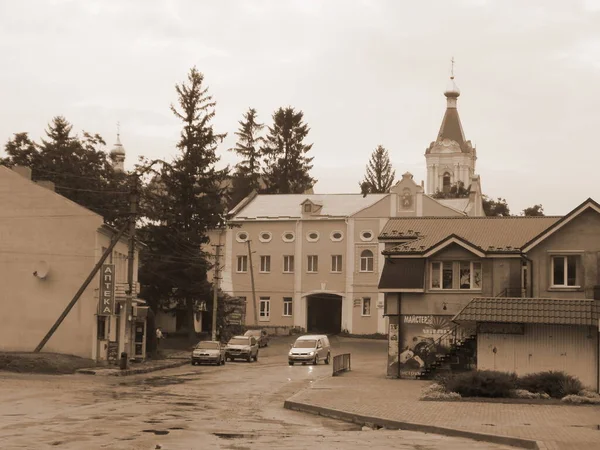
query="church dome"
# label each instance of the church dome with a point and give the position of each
(118, 149)
(452, 89)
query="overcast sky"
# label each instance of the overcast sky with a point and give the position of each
(364, 73)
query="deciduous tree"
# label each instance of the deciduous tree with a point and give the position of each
(535, 210)
(497, 207)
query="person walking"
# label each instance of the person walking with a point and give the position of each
(159, 337)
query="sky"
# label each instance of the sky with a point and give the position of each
(364, 72)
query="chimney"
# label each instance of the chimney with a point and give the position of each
(47, 184)
(23, 171)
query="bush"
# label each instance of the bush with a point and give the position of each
(555, 384)
(581, 400)
(436, 391)
(522, 393)
(481, 383)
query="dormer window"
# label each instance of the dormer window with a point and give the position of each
(307, 207)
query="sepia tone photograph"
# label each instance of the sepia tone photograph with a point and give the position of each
(299, 224)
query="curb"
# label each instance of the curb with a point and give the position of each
(398, 425)
(137, 371)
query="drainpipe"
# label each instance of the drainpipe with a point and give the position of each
(529, 273)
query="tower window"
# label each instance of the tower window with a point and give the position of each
(446, 182)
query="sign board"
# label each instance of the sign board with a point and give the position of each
(113, 351)
(501, 328)
(106, 299)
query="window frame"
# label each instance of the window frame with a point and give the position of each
(265, 260)
(362, 306)
(288, 303)
(366, 260)
(365, 239)
(245, 265)
(262, 239)
(264, 314)
(565, 256)
(309, 239)
(286, 263)
(334, 239)
(456, 275)
(240, 240)
(314, 267)
(334, 265)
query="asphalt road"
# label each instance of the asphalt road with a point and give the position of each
(236, 406)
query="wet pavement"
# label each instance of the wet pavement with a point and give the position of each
(235, 406)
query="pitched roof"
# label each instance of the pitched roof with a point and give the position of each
(459, 204)
(490, 234)
(451, 128)
(273, 206)
(531, 310)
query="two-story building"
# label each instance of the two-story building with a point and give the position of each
(521, 292)
(48, 247)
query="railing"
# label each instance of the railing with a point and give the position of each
(341, 363)
(454, 335)
(513, 292)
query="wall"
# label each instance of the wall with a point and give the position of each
(572, 349)
(580, 236)
(38, 225)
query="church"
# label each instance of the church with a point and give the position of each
(312, 262)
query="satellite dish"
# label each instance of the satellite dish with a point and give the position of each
(41, 269)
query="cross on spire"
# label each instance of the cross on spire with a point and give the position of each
(118, 129)
(452, 68)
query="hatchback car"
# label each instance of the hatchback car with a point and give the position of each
(242, 347)
(311, 348)
(208, 352)
(261, 336)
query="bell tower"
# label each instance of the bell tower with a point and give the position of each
(450, 158)
(117, 154)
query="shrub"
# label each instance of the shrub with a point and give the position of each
(581, 400)
(481, 383)
(555, 384)
(436, 391)
(522, 393)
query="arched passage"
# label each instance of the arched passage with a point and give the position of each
(324, 313)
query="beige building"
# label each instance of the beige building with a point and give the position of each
(48, 247)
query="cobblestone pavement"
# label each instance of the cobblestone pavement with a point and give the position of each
(366, 392)
(236, 406)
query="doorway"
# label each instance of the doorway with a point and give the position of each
(324, 313)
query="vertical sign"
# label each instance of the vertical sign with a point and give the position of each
(106, 300)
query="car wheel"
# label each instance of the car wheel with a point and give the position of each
(256, 357)
(223, 361)
(327, 359)
(248, 358)
(291, 363)
(193, 363)
(316, 361)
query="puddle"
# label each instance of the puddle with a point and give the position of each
(176, 428)
(158, 432)
(591, 427)
(153, 421)
(234, 435)
(185, 404)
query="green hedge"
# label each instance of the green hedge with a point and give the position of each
(555, 384)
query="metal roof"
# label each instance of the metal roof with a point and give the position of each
(531, 310)
(490, 234)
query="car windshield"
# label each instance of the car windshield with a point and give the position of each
(305, 344)
(239, 341)
(252, 333)
(208, 345)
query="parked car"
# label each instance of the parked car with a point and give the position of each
(208, 352)
(242, 347)
(311, 348)
(260, 335)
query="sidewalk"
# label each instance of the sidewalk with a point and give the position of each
(365, 395)
(172, 359)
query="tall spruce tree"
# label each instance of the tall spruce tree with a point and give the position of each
(78, 167)
(246, 177)
(287, 164)
(184, 204)
(380, 175)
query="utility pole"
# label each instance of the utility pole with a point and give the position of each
(252, 282)
(216, 284)
(133, 200)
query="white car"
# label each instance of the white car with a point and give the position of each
(311, 348)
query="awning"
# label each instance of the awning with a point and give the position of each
(403, 275)
(530, 310)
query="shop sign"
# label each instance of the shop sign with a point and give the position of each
(501, 328)
(106, 300)
(113, 350)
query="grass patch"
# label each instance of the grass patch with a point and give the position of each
(44, 363)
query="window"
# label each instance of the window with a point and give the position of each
(241, 236)
(366, 261)
(564, 271)
(287, 306)
(366, 235)
(265, 263)
(288, 236)
(467, 274)
(307, 207)
(264, 311)
(312, 236)
(242, 263)
(337, 236)
(101, 327)
(446, 182)
(288, 264)
(336, 263)
(366, 306)
(313, 263)
(265, 236)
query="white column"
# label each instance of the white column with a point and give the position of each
(348, 300)
(299, 306)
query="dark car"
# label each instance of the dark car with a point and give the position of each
(261, 336)
(208, 352)
(242, 347)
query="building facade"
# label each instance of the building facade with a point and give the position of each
(48, 247)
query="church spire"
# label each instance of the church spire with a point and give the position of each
(117, 154)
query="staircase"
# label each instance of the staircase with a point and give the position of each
(460, 356)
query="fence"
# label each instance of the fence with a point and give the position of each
(341, 363)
